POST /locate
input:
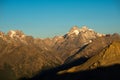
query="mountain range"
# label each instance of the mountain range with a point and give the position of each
(80, 54)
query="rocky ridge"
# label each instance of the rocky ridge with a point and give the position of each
(108, 56)
(26, 55)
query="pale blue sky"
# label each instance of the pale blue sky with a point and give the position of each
(47, 18)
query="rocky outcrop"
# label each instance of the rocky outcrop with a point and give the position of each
(74, 40)
(104, 65)
(107, 57)
(94, 47)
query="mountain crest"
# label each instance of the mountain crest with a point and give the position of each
(15, 33)
(84, 28)
(74, 30)
(83, 31)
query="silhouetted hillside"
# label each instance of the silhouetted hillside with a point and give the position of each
(101, 73)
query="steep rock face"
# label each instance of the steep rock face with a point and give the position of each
(94, 47)
(75, 39)
(108, 56)
(104, 65)
(16, 33)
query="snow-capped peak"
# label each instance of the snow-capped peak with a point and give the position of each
(83, 29)
(16, 33)
(13, 33)
(74, 30)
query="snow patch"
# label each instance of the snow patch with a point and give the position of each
(76, 32)
(90, 41)
(12, 33)
(100, 35)
(91, 30)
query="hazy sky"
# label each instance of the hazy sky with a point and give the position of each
(47, 18)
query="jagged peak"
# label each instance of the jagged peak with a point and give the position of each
(15, 33)
(84, 28)
(76, 30)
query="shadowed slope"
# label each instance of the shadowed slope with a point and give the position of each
(99, 67)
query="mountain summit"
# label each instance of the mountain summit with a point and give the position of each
(75, 30)
(15, 33)
(84, 31)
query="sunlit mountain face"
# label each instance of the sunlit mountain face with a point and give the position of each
(80, 54)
